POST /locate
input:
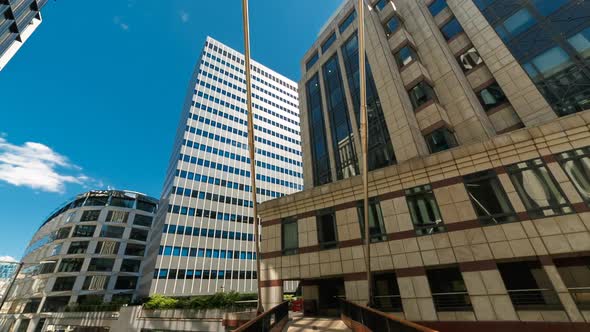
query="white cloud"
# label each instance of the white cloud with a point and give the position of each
(7, 259)
(37, 166)
(184, 16)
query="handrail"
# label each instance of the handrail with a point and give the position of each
(262, 322)
(388, 318)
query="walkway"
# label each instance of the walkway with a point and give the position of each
(298, 323)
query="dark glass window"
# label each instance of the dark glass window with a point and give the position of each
(96, 282)
(142, 220)
(133, 249)
(440, 140)
(451, 29)
(126, 282)
(347, 22)
(327, 233)
(483, 4)
(342, 136)
(489, 198)
(138, 234)
(421, 94)
(437, 6)
(112, 231)
(469, 59)
(386, 292)
(380, 149)
(548, 63)
(125, 202)
(117, 216)
(55, 303)
(146, 206)
(101, 264)
(84, 231)
(424, 210)
(548, 7)
(63, 233)
(575, 273)
(537, 189)
(391, 26)
(289, 236)
(90, 215)
(97, 200)
(576, 164)
(405, 56)
(326, 44)
(64, 284)
(314, 58)
(448, 289)
(319, 151)
(529, 286)
(581, 42)
(515, 24)
(71, 264)
(130, 265)
(491, 96)
(376, 226)
(107, 248)
(78, 247)
(380, 4)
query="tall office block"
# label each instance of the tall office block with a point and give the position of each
(18, 20)
(478, 165)
(207, 244)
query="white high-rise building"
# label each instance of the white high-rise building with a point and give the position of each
(207, 243)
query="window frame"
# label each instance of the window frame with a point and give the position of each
(483, 176)
(562, 160)
(289, 251)
(432, 96)
(399, 61)
(373, 202)
(448, 37)
(320, 229)
(486, 108)
(422, 192)
(449, 134)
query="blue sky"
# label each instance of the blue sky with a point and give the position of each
(93, 97)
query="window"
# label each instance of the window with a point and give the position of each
(405, 56)
(326, 45)
(483, 4)
(576, 164)
(24, 325)
(130, 265)
(469, 59)
(101, 264)
(386, 292)
(138, 234)
(315, 57)
(63, 233)
(55, 303)
(107, 248)
(529, 286)
(376, 227)
(451, 29)
(424, 210)
(64, 284)
(126, 283)
(347, 22)
(133, 249)
(48, 267)
(548, 7)
(71, 264)
(117, 216)
(448, 289)
(437, 6)
(90, 215)
(84, 231)
(97, 200)
(142, 220)
(515, 24)
(421, 94)
(439, 140)
(380, 4)
(581, 42)
(539, 192)
(56, 249)
(125, 202)
(78, 247)
(96, 282)
(548, 63)
(327, 234)
(489, 198)
(290, 236)
(146, 206)
(391, 26)
(491, 96)
(112, 231)
(575, 273)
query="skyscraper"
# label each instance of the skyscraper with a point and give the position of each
(18, 20)
(207, 243)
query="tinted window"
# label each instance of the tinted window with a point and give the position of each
(327, 236)
(489, 198)
(424, 210)
(469, 59)
(451, 29)
(548, 7)
(391, 26)
(440, 140)
(515, 24)
(326, 45)
(289, 236)
(101, 264)
(491, 96)
(312, 61)
(404, 56)
(421, 94)
(437, 6)
(376, 227)
(347, 21)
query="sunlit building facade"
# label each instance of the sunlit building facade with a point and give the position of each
(207, 240)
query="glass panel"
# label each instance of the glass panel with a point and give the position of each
(130, 265)
(489, 198)
(347, 21)
(320, 159)
(112, 231)
(84, 231)
(451, 29)
(101, 264)
(440, 140)
(576, 164)
(142, 220)
(327, 235)
(404, 56)
(96, 283)
(126, 283)
(107, 248)
(491, 96)
(437, 6)
(376, 226)
(515, 24)
(78, 247)
(424, 210)
(381, 4)
(64, 284)
(90, 215)
(326, 45)
(117, 216)
(312, 61)
(581, 42)
(71, 264)
(138, 234)
(470, 59)
(391, 26)
(421, 94)
(547, 7)
(290, 236)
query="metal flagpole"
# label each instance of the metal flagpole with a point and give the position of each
(364, 144)
(251, 150)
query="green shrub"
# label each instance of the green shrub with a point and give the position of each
(161, 302)
(215, 301)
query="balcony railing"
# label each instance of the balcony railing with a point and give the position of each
(535, 299)
(375, 320)
(581, 296)
(453, 301)
(267, 320)
(388, 303)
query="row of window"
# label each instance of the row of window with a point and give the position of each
(330, 40)
(112, 216)
(105, 231)
(207, 253)
(183, 210)
(212, 233)
(97, 264)
(211, 197)
(490, 201)
(105, 248)
(241, 121)
(225, 183)
(203, 274)
(94, 283)
(242, 100)
(254, 68)
(236, 87)
(224, 63)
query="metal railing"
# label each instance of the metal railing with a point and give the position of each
(534, 299)
(376, 320)
(92, 308)
(452, 301)
(267, 320)
(581, 297)
(390, 303)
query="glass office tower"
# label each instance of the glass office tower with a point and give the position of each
(207, 240)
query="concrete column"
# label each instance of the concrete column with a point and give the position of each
(488, 295)
(416, 298)
(569, 305)
(356, 291)
(272, 295)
